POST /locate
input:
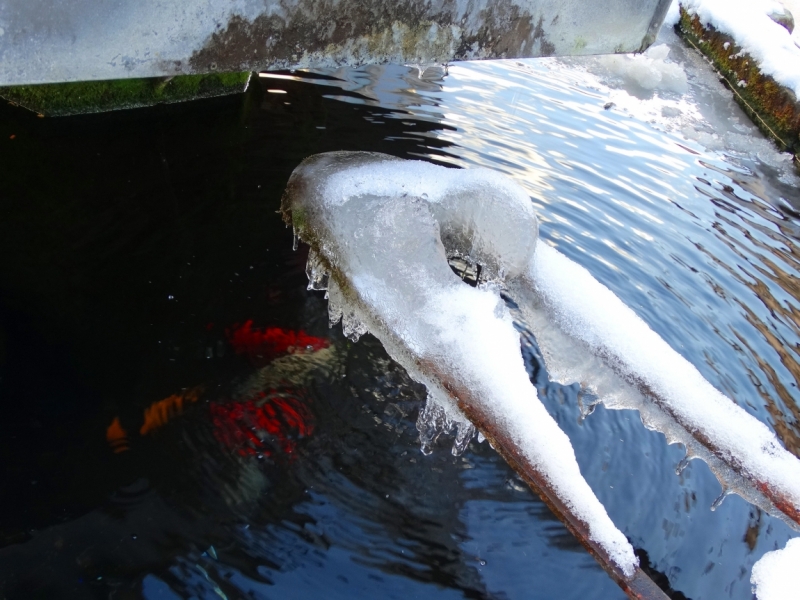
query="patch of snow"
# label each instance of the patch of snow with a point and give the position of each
(673, 14)
(774, 577)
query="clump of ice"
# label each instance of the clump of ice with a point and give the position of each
(648, 71)
(774, 577)
(499, 231)
(749, 24)
(383, 228)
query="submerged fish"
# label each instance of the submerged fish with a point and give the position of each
(267, 413)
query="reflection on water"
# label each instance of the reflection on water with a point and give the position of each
(179, 421)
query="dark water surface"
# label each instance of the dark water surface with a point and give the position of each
(166, 431)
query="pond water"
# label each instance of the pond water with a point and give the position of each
(156, 441)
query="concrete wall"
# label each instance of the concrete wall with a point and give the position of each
(47, 41)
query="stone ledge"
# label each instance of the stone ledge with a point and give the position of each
(771, 106)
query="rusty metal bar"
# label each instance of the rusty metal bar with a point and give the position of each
(638, 587)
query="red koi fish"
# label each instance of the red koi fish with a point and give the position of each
(260, 426)
(259, 346)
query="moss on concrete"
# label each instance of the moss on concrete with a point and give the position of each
(61, 99)
(772, 107)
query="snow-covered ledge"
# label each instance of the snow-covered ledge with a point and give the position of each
(750, 43)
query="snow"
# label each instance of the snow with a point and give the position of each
(748, 23)
(673, 14)
(774, 577)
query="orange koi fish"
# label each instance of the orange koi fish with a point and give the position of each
(159, 413)
(117, 437)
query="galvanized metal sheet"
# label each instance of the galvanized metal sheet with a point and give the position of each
(49, 41)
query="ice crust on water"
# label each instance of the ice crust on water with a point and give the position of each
(774, 577)
(649, 71)
(374, 223)
(703, 114)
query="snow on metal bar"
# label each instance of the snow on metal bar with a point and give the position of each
(376, 227)
(381, 231)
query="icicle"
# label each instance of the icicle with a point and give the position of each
(334, 297)
(430, 424)
(465, 432)
(684, 462)
(434, 420)
(340, 310)
(352, 327)
(721, 498)
(316, 272)
(586, 408)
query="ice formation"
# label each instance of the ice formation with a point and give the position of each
(702, 114)
(374, 223)
(774, 577)
(748, 22)
(381, 230)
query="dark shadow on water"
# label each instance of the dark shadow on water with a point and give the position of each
(132, 244)
(125, 235)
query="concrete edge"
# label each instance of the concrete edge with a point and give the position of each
(773, 108)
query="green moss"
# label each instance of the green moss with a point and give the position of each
(60, 99)
(299, 219)
(773, 108)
